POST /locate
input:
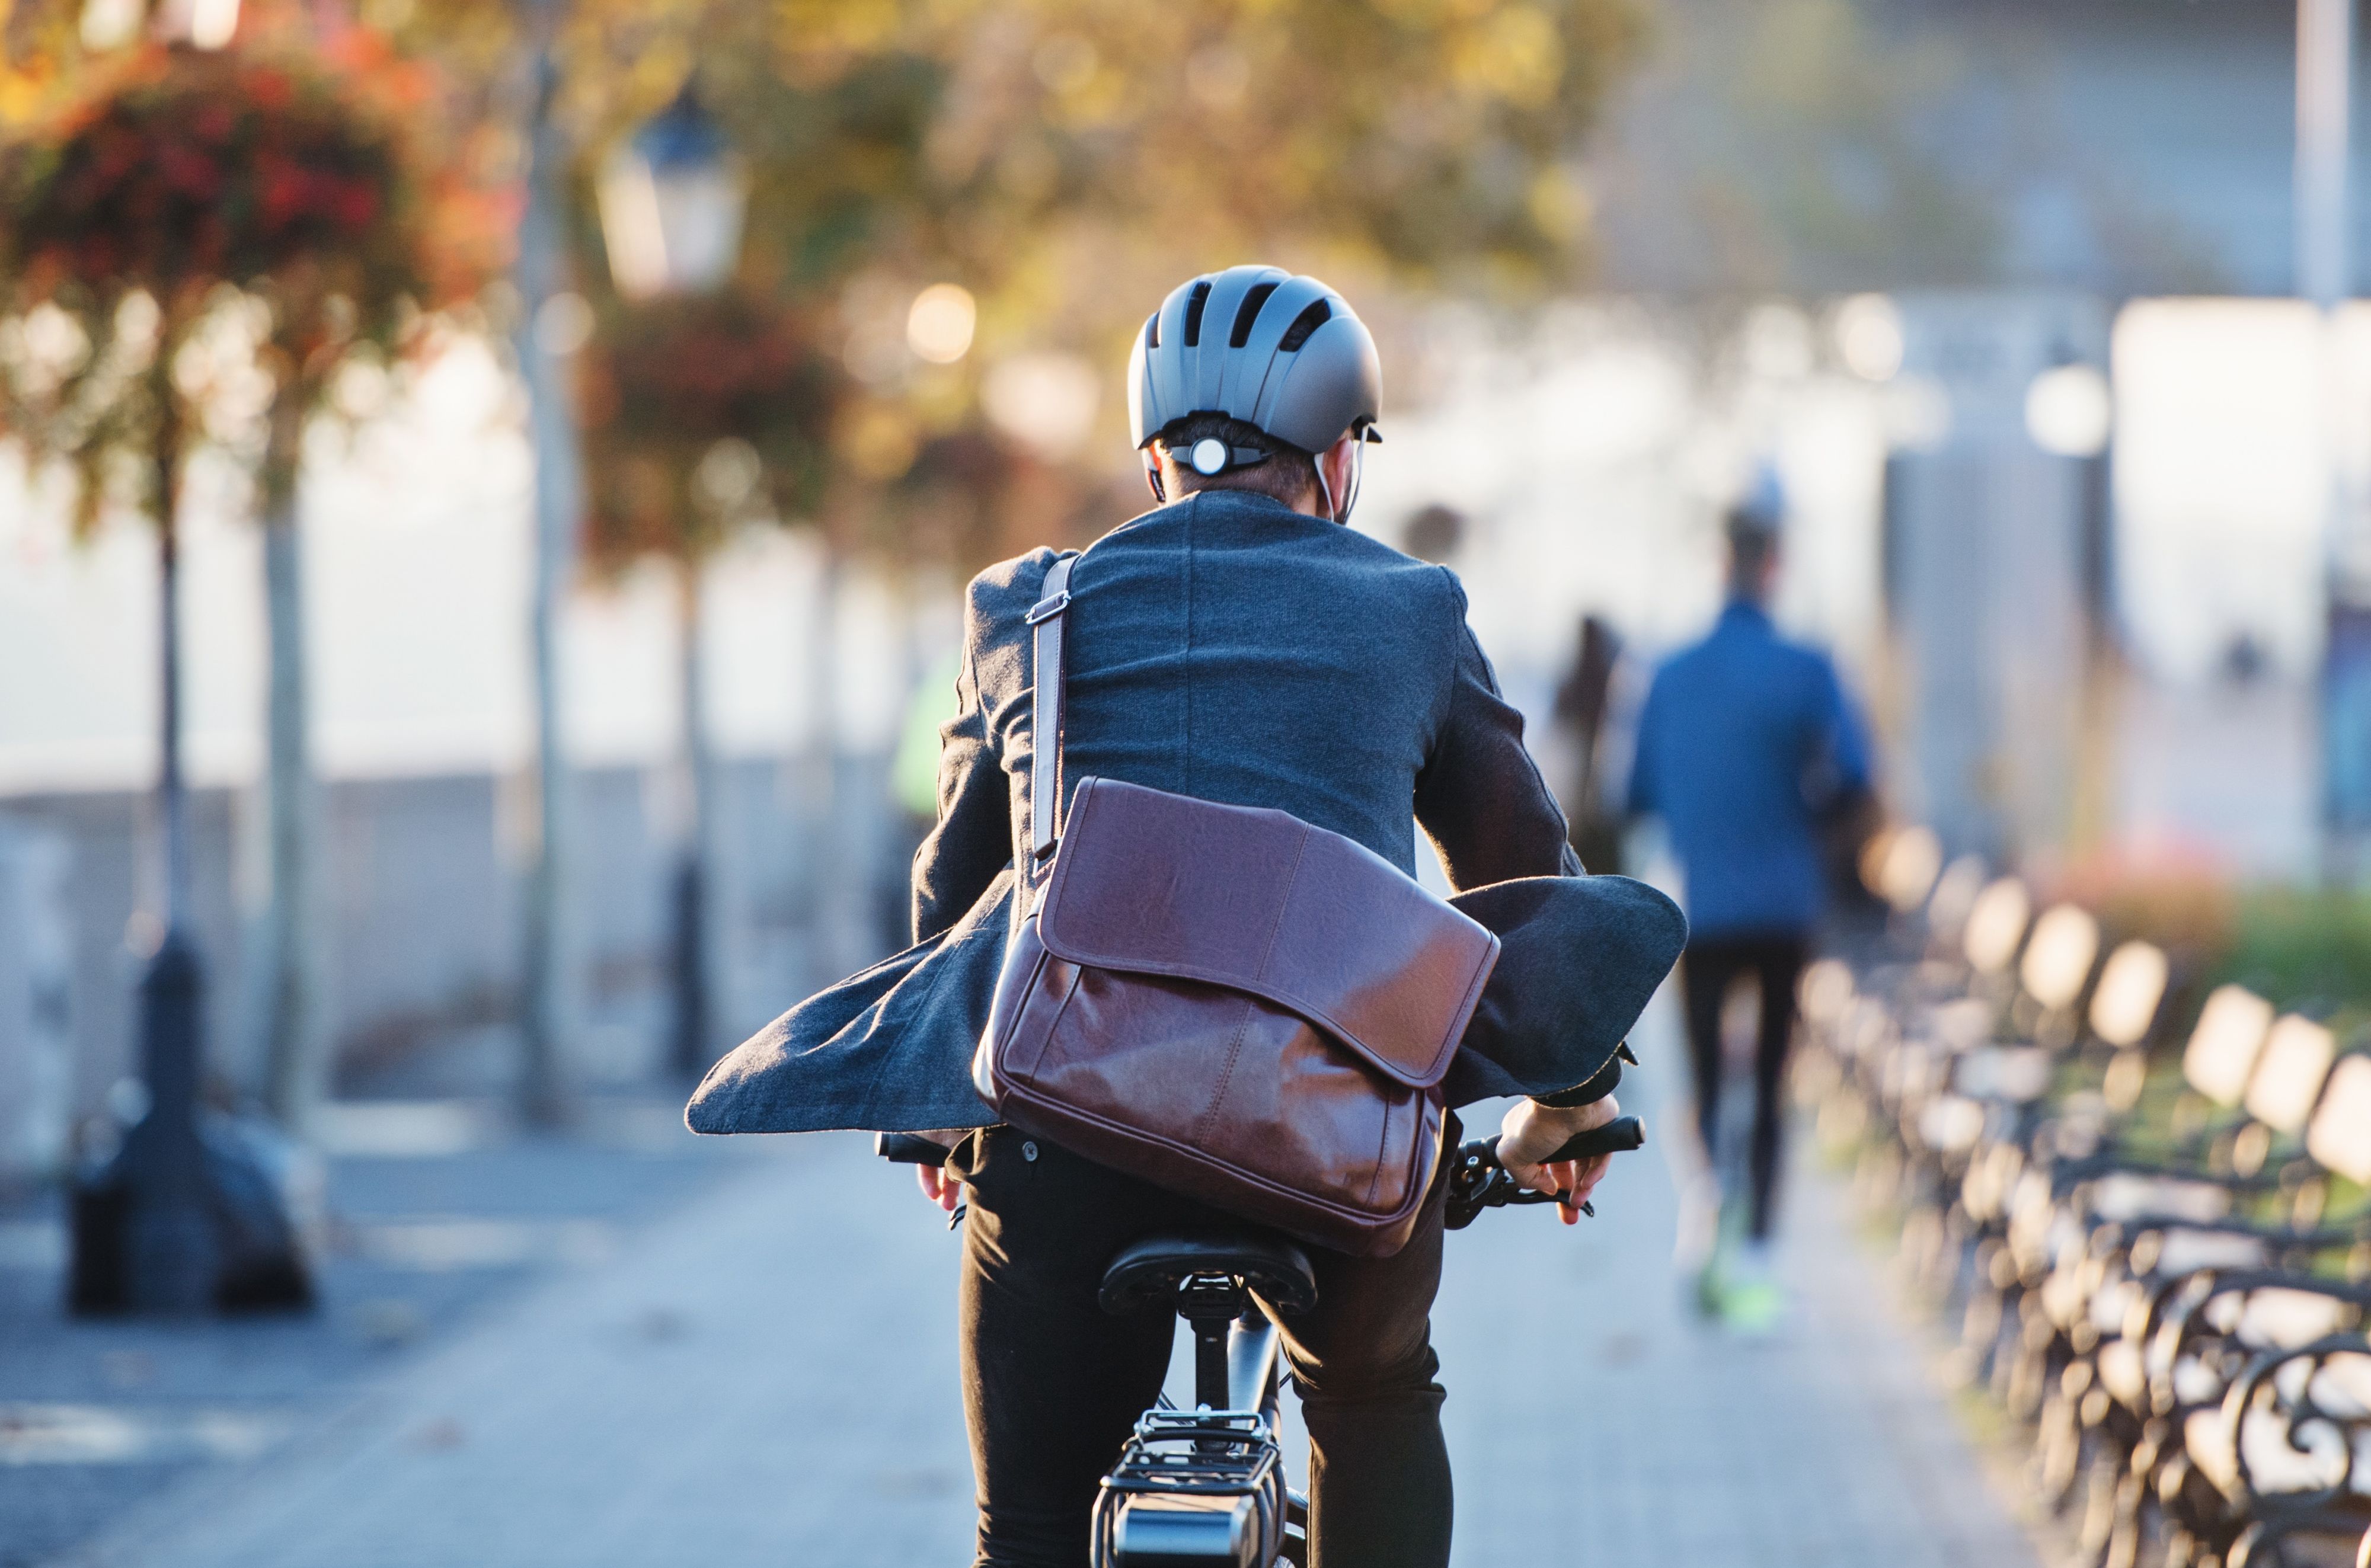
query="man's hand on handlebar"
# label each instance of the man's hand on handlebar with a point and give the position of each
(911, 1147)
(1531, 1131)
(939, 1187)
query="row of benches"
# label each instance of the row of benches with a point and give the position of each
(2159, 1264)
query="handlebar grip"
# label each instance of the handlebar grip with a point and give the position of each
(1621, 1135)
(906, 1149)
(1618, 1137)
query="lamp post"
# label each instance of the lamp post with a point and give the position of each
(673, 200)
(2070, 413)
(202, 24)
(547, 332)
(2325, 76)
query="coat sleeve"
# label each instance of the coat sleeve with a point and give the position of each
(972, 840)
(1645, 751)
(1479, 796)
(1844, 743)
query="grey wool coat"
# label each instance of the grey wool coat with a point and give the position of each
(1228, 647)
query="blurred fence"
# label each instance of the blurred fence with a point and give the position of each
(426, 941)
(36, 1017)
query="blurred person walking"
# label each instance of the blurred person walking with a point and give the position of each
(1747, 747)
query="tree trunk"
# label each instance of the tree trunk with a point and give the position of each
(698, 952)
(550, 990)
(172, 796)
(832, 914)
(296, 1060)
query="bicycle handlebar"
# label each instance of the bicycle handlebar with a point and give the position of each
(1618, 1137)
(909, 1148)
(1478, 1182)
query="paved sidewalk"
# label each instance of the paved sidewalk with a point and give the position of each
(438, 1212)
(769, 1380)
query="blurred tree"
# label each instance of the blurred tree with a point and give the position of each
(703, 413)
(1064, 161)
(226, 234)
(1801, 146)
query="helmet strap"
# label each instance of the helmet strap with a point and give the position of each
(1152, 479)
(1318, 463)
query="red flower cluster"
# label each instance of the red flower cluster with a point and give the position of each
(667, 380)
(188, 169)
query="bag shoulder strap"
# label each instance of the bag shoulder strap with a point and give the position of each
(1045, 721)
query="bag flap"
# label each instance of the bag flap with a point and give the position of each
(1147, 882)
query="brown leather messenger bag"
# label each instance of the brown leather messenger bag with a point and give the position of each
(1226, 1001)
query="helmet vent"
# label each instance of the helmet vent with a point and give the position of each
(1194, 304)
(1248, 313)
(1318, 314)
(1152, 330)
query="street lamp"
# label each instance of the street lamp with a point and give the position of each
(2069, 410)
(673, 198)
(200, 24)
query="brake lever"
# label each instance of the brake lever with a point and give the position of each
(1478, 1182)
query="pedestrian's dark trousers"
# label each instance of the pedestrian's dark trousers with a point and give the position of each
(1711, 966)
(1053, 1384)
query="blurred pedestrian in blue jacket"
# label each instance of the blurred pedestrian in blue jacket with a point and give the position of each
(1746, 745)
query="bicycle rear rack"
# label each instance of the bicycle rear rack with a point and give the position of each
(1196, 1487)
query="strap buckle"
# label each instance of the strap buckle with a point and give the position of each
(1045, 609)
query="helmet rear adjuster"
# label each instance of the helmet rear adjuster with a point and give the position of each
(1210, 457)
(1283, 354)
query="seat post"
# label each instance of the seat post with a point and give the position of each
(1212, 1303)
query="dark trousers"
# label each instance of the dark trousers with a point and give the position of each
(1711, 966)
(1053, 1384)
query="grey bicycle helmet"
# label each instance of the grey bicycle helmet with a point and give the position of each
(1284, 354)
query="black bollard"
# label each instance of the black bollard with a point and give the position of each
(692, 1051)
(187, 1217)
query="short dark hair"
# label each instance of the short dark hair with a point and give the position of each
(1290, 475)
(1752, 541)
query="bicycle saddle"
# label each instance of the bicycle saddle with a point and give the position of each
(1149, 1270)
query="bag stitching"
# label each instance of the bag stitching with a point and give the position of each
(1267, 953)
(1382, 1146)
(1059, 875)
(1061, 1009)
(1226, 1074)
(1284, 902)
(999, 1046)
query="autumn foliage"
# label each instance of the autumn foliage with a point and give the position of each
(700, 411)
(187, 169)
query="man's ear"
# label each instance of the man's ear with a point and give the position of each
(1337, 461)
(1152, 479)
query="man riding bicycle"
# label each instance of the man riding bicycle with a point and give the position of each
(1236, 644)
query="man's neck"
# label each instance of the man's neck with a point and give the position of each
(1307, 506)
